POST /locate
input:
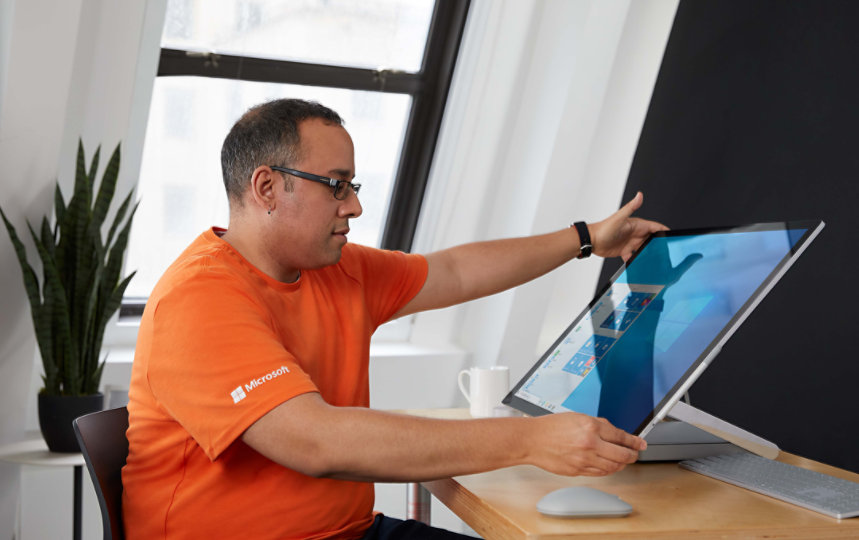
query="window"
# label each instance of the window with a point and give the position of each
(383, 65)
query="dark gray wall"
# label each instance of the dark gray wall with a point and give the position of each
(755, 117)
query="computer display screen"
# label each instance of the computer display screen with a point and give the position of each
(653, 329)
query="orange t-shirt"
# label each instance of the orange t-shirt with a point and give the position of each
(220, 345)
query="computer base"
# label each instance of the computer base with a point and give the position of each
(673, 440)
(693, 433)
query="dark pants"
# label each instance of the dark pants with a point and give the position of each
(388, 528)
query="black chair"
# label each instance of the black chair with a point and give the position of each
(101, 436)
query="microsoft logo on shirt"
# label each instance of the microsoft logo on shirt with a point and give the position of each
(239, 393)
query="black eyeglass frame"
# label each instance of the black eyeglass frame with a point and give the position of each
(333, 183)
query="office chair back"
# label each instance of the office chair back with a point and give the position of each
(101, 436)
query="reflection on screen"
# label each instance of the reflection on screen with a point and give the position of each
(625, 354)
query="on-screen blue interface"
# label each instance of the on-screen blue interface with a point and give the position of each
(633, 346)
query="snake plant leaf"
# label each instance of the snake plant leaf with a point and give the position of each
(92, 345)
(112, 269)
(73, 247)
(106, 189)
(93, 166)
(83, 183)
(63, 351)
(43, 317)
(115, 299)
(88, 261)
(114, 262)
(48, 237)
(110, 306)
(110, 297)
(79, 209)
(31, 281)
(88, 336)
(55, 300)
(59, 210)
(81, 288)
(120, 214)
(40, 312)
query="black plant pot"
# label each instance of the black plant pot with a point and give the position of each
(55, 418)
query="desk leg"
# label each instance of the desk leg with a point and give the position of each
(418, 503)
(76, 524)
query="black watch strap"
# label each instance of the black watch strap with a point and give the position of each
(584, 239)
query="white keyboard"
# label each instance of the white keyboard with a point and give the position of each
(816, 491)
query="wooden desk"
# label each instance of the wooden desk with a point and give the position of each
(667, 501)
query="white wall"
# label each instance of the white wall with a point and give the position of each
(6, 20)
(544, 115)
(543, 119)
(68, 68)
(35, 81)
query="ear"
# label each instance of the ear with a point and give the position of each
(263, 182)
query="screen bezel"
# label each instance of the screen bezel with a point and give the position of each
(697, 367)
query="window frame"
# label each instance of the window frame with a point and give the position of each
(428, 88)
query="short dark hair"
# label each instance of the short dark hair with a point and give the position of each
(266, 134)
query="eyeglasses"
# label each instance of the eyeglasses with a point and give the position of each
(341, 187)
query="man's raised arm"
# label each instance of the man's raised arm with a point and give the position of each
(479, 269)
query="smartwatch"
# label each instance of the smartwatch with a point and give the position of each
(584, 239)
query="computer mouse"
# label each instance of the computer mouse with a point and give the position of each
(582, 501)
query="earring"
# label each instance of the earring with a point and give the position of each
(269, 211)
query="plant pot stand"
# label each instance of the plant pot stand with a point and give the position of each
(35, 452)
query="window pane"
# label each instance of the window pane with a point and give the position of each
(367, 33)
(181, 189)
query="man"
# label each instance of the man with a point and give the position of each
(249, 394)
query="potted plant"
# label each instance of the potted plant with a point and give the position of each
(79, 292)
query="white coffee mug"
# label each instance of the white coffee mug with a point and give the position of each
(486, 388)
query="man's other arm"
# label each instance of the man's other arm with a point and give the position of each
(308, 435)
(479, 269)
